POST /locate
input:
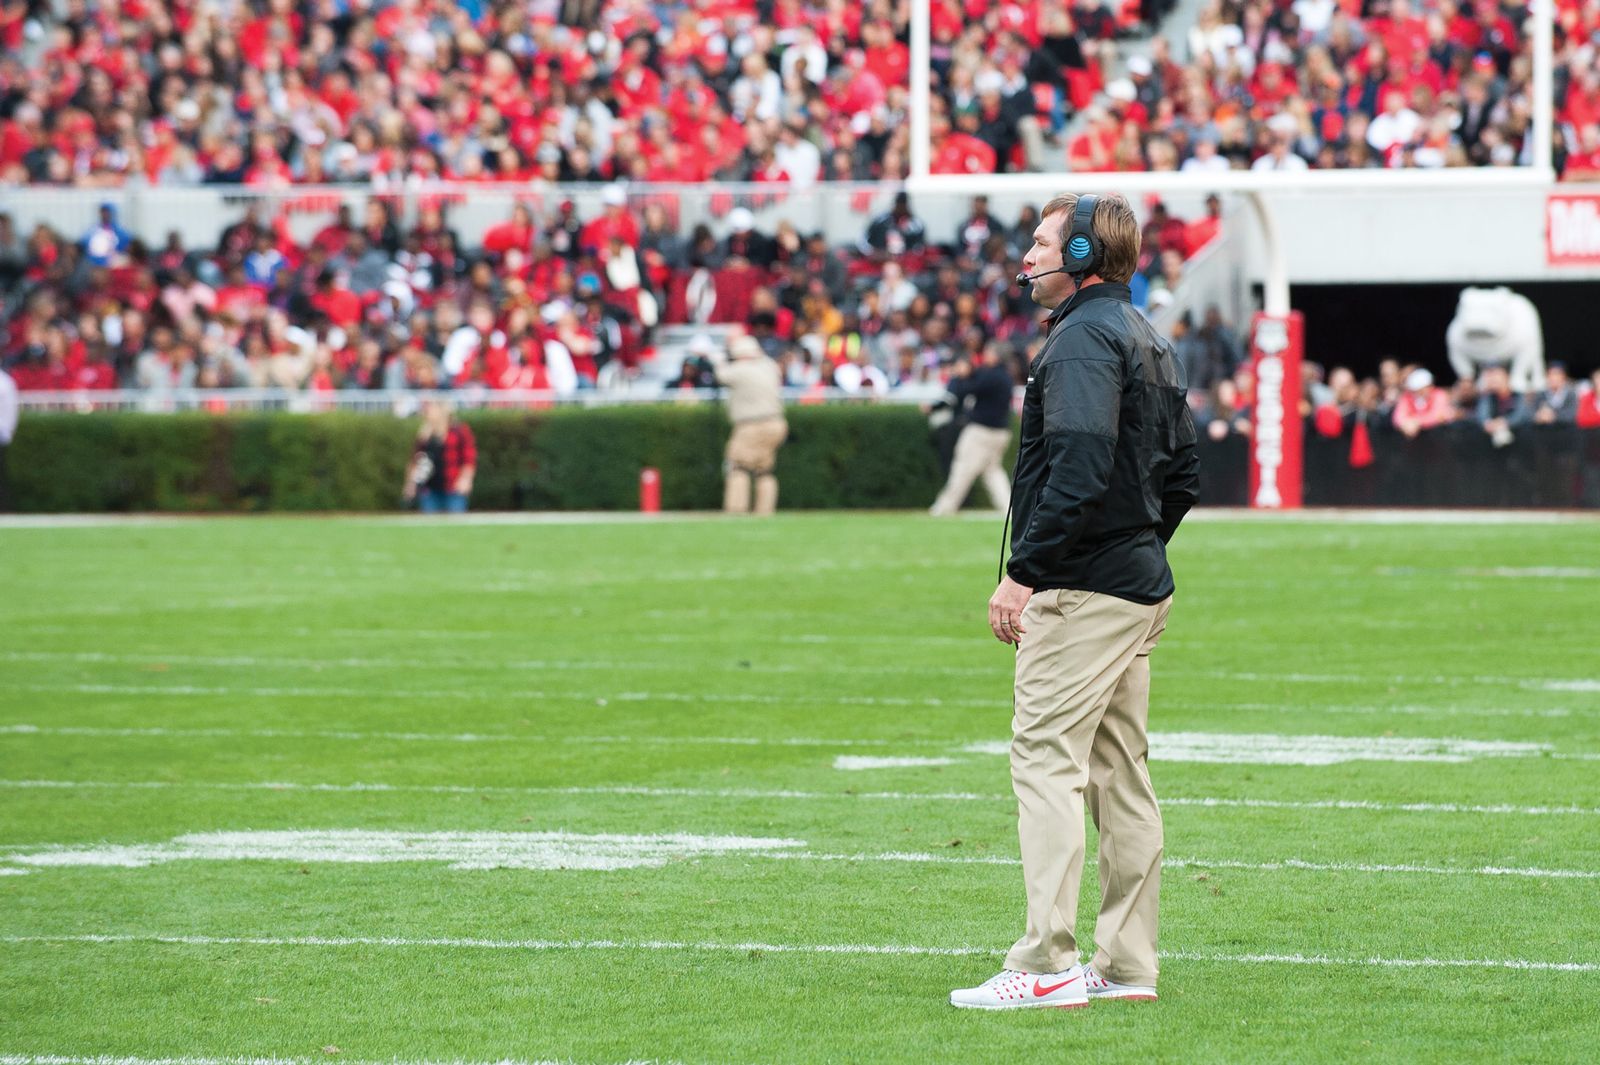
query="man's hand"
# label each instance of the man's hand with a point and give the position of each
(464, 483)
(1005, 610)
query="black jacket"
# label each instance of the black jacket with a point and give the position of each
(989, 388)
(1106, 468)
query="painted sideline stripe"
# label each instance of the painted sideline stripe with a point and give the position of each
(233, 661)
(433, 663)
(459, 850)
(1305, 516)
(781, 948)
(612, 666)
(1206, 747)
(1391, 516)
(108, 1059)
(1271, 748)
(536, 850)
(1558, 684)
(1206, 802)
(468, 695)
(1286, 864)
(23, 729)
(502, 944)
(857, 762)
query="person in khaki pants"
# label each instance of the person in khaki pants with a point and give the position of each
(755, 405)
(1106, 470)
(981, 447)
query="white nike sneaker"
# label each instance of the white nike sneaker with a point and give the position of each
(1012, 990)
(1099, 987)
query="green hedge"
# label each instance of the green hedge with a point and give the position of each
(544, 460)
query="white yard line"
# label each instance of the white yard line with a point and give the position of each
(517, 695)
(548, 851)
(735, 665)
(1284, 865)
(1564, 573)
(1407, 710)
(23, 729)
(1203, 747)
(1270, 748)
(1494, 809)
(1168, 676)
(1392, 516)
(647, 791)
(857, 762)
(1308, 516)
(433, 663)
(458, 850)
(864, 949)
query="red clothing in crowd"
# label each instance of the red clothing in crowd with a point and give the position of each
(963, 154)
(615, 222)
(460, 451)
(501, 238)
(1425, 409)
(1589, 409)
(342, 306)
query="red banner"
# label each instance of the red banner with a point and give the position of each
(1276, 345)
(1572, 229)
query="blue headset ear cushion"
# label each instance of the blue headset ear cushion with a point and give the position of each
(1079, 247)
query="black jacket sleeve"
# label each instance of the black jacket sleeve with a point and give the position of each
(1082, 400)
(1182, 489)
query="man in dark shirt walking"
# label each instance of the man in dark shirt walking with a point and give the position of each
(1105, 472)
(984, 391)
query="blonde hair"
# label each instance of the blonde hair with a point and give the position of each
(1113, 223)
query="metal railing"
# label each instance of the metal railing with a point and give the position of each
(404, 403)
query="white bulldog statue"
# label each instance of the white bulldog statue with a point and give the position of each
(1497, 327)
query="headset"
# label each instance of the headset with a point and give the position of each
(1081, 251)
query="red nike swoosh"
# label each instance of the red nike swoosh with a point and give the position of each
(1040, 991)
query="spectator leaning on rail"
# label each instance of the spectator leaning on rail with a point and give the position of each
(440, 474)
(1105, 471)
(1558, 403)
(1499, 409)
(1589, 403)
(755, 406)
(1423, 405)
(985, 387)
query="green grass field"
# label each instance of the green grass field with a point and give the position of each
(373, 790)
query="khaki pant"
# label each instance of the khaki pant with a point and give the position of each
(753, 452)
(1082, 702)
(979, 452)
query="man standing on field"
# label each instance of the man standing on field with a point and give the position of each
(1105, 471)
(755, 406)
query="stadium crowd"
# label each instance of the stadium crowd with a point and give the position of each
(1262, 84)
(553, 301)
(567, 303)
(273, 93)
(1403, 397)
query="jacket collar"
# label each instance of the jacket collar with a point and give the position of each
(1105, 290)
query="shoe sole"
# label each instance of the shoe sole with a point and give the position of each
(1021, 1005)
